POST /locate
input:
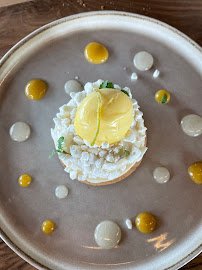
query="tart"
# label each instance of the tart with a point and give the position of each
(100, 134)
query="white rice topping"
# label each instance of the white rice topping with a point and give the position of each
(129, 224)
(156, 73)
(134, 76)
(97, 164)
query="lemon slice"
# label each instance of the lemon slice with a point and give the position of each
(99, 107)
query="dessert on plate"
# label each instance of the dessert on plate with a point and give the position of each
(99, 135)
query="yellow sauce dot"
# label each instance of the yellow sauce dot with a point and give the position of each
(195, 172)
(48, 226)
(35, 89)
(162, 96)
(96, 53)
(145, 222)
(24, 180)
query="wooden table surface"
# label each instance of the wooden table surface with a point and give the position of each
(16, 21)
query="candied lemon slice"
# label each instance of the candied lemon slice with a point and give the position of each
(98, 116)
(111, 123)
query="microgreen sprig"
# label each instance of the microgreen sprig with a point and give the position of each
(164, 99)
(60, 147)
(126, 153)
(125, 92)
(107, 84)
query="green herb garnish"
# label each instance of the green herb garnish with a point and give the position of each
(125, 92)
(164, 99)
(59, 150)
(60, 141)
(110, 85)
(126, 153)
(103, 84)
(106, 84)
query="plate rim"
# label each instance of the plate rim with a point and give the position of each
(6, 57)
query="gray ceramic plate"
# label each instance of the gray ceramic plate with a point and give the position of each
(54, 53)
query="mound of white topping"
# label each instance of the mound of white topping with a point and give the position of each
(103, 163)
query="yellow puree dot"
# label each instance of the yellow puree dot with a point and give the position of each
(48, 226)
(195, 172)
(35, 89)
(24, 180)
(96, 53)
(162, 96)
(145, 222)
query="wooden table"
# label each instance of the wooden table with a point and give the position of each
(16, 21)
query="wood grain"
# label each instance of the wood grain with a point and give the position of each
(4, 3)
(17, 21)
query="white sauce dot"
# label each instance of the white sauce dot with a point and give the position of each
(129, 224)
(156, 73)
(19, 132)
(161, 175)
(134, 76)
(73, 86)
(61, 192)
(192, 125)
(143, 61)
(107, 234)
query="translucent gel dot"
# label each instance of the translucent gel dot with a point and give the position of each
(107, 234)
(19, 132)
(192, 125)
(143, 61)
(61, 192)
(73, 86)
(161, 175)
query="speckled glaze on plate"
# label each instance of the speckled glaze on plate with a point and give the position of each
(54, 53)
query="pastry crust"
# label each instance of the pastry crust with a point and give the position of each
(123, 176)
(131, 170)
